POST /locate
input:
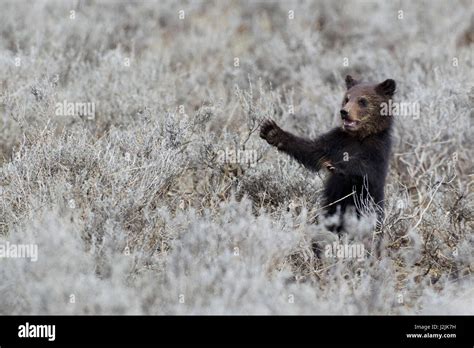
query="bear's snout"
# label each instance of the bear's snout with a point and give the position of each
(344, 114)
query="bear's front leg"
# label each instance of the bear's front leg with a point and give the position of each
(273, 134)
(328, 165)
(307, 152)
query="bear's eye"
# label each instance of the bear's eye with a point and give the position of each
(363, 102)
(346, 100)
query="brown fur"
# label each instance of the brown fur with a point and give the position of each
(356, 154)
(368, 117)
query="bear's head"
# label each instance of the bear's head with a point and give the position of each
(361, 106)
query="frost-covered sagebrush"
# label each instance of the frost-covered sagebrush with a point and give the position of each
(164, 200)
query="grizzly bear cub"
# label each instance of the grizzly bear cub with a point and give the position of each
(356, 154)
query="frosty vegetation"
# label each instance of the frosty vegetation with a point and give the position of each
(130, 156)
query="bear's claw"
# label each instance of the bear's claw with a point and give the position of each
(270, 131)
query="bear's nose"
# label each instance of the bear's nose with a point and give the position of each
(344, 114)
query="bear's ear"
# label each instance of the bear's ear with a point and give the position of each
(350, 82)
(386, 88)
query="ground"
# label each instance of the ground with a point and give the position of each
(130, 157)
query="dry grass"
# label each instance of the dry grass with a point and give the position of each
(134, 212)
